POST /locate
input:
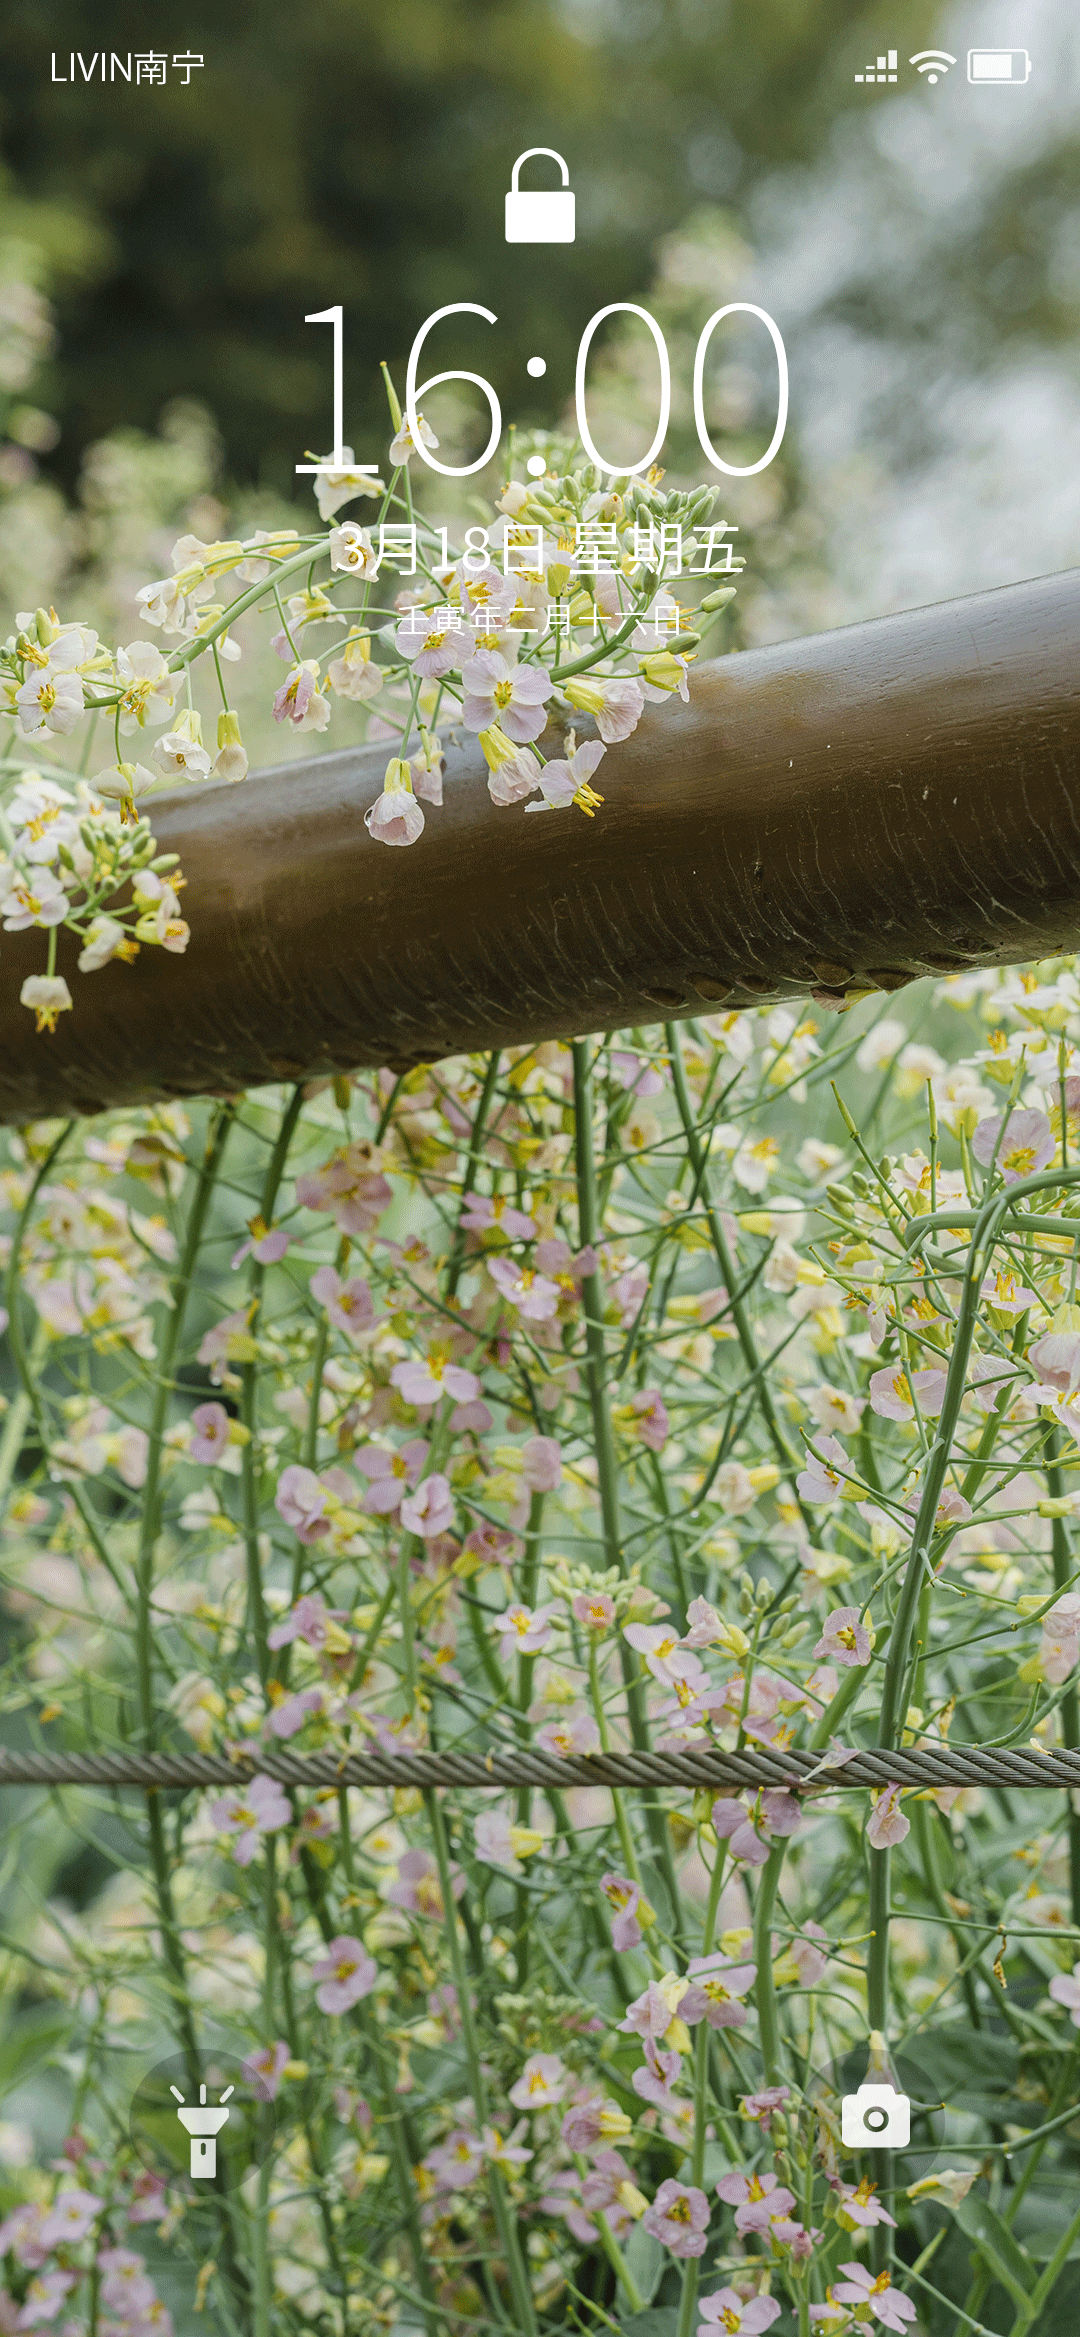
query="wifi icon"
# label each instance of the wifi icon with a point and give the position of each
(932, 62)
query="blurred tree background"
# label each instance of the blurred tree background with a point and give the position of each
(919, 247)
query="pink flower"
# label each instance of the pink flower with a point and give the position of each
(636, 1075)
(895, 1392)
(561, 783)
(627, 1291)
(594, 1609)
(44, 2298)
(512, 696)
(395, 817)
(416, 1887)
(267, 1248)
(844, 1639)
(655, 2080)
(750, 1832)
(259, 1808)
(20, 2233)
(625, 1897)
(665, 1655)
(1056, 1357)
(534, 1297)
(542, 1456)
(474, 1416)
(229, 1341)
(887, 1823)
(735, 2315)
(289, 1715)
(860, 2205)
(349, 1188)
(457, 2161)
(860, 2288)
(390, 1474)
(716, 1987)
(522, 1630)
(69, 2218)
(432, 643)
(345, 1974)
(515, 778)
(808, 1958)
(127, 2284)
(653, 1426)
(210, 1440)
(1026, 1144)
(760, 2106)
(569, 1737)
(349, 1305)
(822, 1480)
(301, 1500)
(266, 2068)
(650, 2015)
(427, 1383)
(1065, 1989)
(679, 2216)
(621, 711)
(1059, 1648)
(430, 1510)
(300, 700)
(308, 1620)
(483, 1211)
(493, 1545)
(149, 2200)
(757, 2199)
(543, 2080)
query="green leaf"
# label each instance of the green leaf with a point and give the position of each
(1000, 2249)
(36, 2037)
(655, 2324)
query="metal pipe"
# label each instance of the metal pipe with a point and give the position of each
(845, 812)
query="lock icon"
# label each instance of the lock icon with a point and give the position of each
(540, 214)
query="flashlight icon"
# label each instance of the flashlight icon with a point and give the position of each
(998, 65)
(203, 2125)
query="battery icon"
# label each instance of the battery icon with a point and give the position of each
(998, 65)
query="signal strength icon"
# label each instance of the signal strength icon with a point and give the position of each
(885, 70)
(933, 63)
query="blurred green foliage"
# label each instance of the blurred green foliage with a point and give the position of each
(355, 153)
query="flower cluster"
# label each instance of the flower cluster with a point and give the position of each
(359, 1419)
(560, 612)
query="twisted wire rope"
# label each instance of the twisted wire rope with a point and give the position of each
(944, 1767)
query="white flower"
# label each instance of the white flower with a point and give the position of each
(404, 444)
(332, 488)
(124, 781)
(31, 897)
(881, 1044)
(176, 756)
(148, 686)
(49, 700)
(278, 541)
(105, 936)
(47, 995)
(354, 674)
(396, 817)
(351, 548)
(42, 819)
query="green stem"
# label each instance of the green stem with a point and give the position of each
(744, 1332)
(1070, 1702)
(593, 1304)
(504, 2222)
(765, 1989)
(170, 1342)
(476, 1132)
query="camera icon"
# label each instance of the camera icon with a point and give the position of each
(875, 2118)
